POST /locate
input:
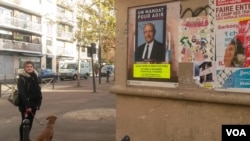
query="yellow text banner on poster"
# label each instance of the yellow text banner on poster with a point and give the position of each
(151, 70)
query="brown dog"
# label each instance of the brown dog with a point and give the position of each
(48, 132)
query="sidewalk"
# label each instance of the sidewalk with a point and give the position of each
(82, 114)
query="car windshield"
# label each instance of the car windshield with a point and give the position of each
(48, 71)
(107, 67)
(69, 66)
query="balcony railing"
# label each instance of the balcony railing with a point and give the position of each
(68, 18)
(64, 35)
(13, 22)
(33, 6)
(11, 45)
(62, 51)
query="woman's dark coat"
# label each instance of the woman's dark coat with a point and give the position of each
(29, 91)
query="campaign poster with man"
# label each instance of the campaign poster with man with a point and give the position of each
(151, 45)
(150, 39)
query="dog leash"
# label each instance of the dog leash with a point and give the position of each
(38, 121)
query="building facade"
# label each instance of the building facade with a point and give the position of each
(20, 35)
(41, 31)
(151, 111)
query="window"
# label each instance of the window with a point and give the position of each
(60, 27)
(49, 63)
(7, 14)
(5, 34)
(63, 27)
(17, 36)
(36, 19)
(35, 60)
(26, 38)
(22, 15)
(36, 39)
(49, 29)
(49, 41)
(21, 37)
(21, 19)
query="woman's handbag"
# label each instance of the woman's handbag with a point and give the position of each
(14, 97)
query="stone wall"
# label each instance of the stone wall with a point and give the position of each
(185, 113)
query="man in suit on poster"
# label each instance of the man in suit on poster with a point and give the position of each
(152, 50)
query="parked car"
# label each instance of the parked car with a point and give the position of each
(104, 70)
(47, 75)
(69, 70)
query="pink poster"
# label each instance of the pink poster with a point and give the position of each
(194, 40)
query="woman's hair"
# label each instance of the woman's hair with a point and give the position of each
(239, 49)
(26, 63)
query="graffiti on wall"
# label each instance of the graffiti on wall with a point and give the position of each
(194, 12)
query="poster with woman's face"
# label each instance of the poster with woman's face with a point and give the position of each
(225, 48)
(152, 41)
(232, 28)
(232, 44)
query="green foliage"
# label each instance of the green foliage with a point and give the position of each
(96, 20)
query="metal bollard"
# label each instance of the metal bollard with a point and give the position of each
(26, 127)
(107, 73)
(53, 84)
(0, 90)
(126, 138)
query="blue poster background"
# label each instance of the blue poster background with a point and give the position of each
(235, 78)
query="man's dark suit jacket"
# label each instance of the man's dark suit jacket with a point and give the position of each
(157, 54)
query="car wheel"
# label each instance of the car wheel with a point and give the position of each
(54, 79)
(74, 77)
(86, 76)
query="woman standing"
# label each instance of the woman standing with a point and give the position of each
(30, 94)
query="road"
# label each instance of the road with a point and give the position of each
(82, 114)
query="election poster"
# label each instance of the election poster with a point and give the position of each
(152, 45)
(232, 29)
(232, 9)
